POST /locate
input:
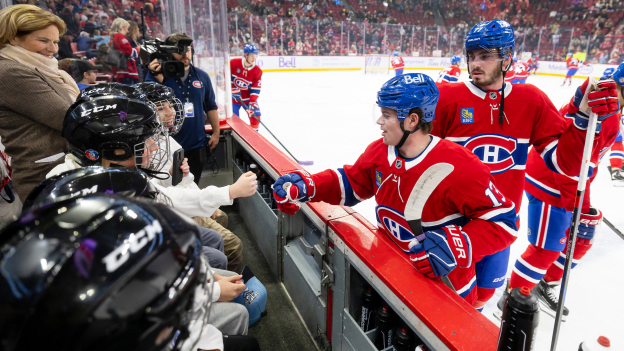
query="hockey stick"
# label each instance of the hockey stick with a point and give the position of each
(425, 185)
(303, 163)
(617, 231)
(576, 216)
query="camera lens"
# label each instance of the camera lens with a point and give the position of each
(171, 68)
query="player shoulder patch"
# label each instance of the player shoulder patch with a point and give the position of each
(238, 70)
(467, 115)
(197, 84)
(378, 177)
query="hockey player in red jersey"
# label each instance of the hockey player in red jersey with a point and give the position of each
(465, 206)
(551, 201)
(500, 130)
(397, 64)
(519, 73)
(246, 85)
(451, 74)
(572, 64)
(616, 156)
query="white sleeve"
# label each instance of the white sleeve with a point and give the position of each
(216, 292)
(196, 202)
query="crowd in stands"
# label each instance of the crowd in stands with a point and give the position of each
(554, 27)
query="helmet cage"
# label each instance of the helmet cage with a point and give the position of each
(152, 154)
(175, 117)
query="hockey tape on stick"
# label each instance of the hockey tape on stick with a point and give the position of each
(426, 184)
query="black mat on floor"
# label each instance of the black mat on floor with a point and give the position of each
(281, 329)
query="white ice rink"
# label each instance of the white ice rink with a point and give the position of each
(326, 117)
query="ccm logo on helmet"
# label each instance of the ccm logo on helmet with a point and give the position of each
(98, 109)
(135, 242)
(414, 79)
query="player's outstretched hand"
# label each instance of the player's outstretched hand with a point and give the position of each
(291, 189)
(604, 101)
(442, 251)
(590, 223)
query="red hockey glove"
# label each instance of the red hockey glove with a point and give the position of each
(589, 223)
(291, 189)
(441, 251)
(604, 101)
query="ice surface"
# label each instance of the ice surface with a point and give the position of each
(326, 117)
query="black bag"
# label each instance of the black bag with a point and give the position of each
(116, 59)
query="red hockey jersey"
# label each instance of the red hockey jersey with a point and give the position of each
(468, 116)
(559, 190)
(572, 62)
(397, 63)
(246, 79)
(521, 70)
(449, 75)
(467, 197)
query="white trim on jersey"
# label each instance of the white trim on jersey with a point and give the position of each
(442, 221)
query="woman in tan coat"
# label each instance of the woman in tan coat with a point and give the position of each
(34, 93)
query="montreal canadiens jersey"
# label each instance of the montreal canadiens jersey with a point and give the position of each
(467, 197)
(246, 79)
(468, 116)
(560, 190)
(449, 75)
(522, 70)
(572, 62)
(397, 63)
(510, 75)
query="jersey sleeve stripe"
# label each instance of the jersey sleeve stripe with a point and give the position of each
(466, 289)
(525, 276)
(542, 186)
(347, 194)
(444, 221)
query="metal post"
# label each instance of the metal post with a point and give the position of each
(587, 50)
(364, 40)
(297, 32)
(412, 40)
(281, 38)
(317, 35)
(450, 39)
(349, 39)
(192, 22)
(401, 39)
(524, 40)
(341, 30)
(539, 40)
(571, 36)
(236, 21)
(438, 39)
(425, 42)
(250, 29)
(386, 38)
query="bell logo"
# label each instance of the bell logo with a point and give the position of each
(414, 79)
(135, 242)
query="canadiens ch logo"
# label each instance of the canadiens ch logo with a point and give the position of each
(241, 83)
(197, 84)
(496, 151)
(394, 224)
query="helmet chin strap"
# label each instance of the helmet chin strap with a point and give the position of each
(406, 133)
(501, 112)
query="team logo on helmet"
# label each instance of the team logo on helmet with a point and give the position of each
(562, 240)
(496, 151)
(418, 78)
(92, 154)
(394, 224)
(621, 80)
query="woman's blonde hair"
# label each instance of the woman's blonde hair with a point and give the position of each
(21, 20)
(118, 23)
(133, 31)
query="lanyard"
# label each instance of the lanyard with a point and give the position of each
(188, 88)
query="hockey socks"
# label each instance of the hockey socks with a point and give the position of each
(555, 272)
(531, 266)
(616, 156)
(483, 296)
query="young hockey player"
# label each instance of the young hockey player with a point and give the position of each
(500, 129)
(551, 201)
(451, 74)
(397, 64)
(572, 64)
(246, 84)
(469, 209)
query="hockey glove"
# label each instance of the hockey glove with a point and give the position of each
(253, 109)
(604, 101)
(236, 96)
(441, 251)
(291, 189)
(589, 223)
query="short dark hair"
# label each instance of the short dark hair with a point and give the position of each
(424, 127)
(173, 39)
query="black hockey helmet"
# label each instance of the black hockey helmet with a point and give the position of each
(82, 182)
(167, 105)
(116, 128)
(102, 273)
(119, 89)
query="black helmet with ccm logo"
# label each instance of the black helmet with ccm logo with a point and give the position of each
(102, 272)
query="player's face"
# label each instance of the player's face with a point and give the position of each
(390, 126)
(166, 113)
(485, 69)
(251, 58)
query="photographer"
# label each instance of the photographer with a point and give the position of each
(195, 91)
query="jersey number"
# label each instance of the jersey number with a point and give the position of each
(494, 195)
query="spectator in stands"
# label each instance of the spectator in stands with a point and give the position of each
(84, 43)
(30, 130)
(64, 46)
(134, 36)
(196, 93)
(120, 42)
(90, 25)
(100, 58)
(84, 73)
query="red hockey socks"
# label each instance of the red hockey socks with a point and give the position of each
(616, 157)
(531, 266)
(483, 296)
(555, 272)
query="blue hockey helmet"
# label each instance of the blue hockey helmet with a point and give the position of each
(396, 53)
(608, 72)
(618, 75)
(455, 60)
(250, 49)
(492, 34)
(409, 91)
(515, 59)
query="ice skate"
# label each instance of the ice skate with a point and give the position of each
(548, 296)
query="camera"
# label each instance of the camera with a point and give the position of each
(170, 68)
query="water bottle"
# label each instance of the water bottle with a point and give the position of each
(367, 318)
(602, 344)
(385, 332)
(403, 340)
(519, 322)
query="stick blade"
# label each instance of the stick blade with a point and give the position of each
(306, 163)
(425, 185)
